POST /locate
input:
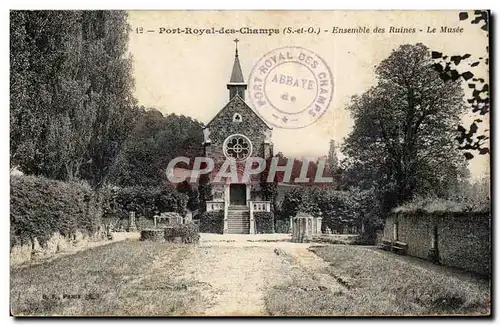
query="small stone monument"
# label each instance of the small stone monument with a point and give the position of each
(167, 219)
(304, 227)
(131, 222)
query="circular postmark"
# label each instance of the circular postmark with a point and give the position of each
(290, 87)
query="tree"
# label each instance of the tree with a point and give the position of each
(154, 141)
(193, 202)
(403, 139)
(112, 82)
(71, 92)
(291, 202)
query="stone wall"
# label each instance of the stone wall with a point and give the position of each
(417, 230)
(463, 239)
(20, 254)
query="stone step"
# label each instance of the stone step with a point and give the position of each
(238, 207)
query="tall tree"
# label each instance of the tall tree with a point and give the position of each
(113, 84)
(404, 128)
(71, 91)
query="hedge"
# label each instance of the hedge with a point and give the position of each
(40, 207)
(189, 233)
(212, 222)
(146, 202)
(264, 222)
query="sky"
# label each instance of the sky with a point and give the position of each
(187, 74)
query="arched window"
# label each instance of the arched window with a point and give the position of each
(237, 117)
(237, 147)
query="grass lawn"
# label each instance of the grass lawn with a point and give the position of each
(376, 283)
(118, 279)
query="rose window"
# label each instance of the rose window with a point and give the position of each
(237, 147)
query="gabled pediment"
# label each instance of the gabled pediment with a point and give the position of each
(238, 102)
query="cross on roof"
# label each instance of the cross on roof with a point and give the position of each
(236, 42)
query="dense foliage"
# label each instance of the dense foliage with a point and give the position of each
(204, 191)
(355, 209)
(192, 193)
(189, 233)
(71, 102)
(264, 222)
(269, 190)
(212, 222)
(40, 207)
(403, 138)
(153, 143)
(145, 201)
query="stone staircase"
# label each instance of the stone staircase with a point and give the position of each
(238, 219)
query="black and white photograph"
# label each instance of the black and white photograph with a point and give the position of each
(250, 163)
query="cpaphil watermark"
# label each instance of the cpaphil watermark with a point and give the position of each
(291, 87)
(242, 172)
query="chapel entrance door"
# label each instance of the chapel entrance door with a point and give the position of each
(237, 194)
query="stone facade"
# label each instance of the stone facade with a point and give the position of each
(235, 134)
(237, 119)
(250, 125)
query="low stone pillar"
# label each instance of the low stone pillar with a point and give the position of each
(189, 217)
(301, 230)
(252, 220)
(318, 225)
(131, 222)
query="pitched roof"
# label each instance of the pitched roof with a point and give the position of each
(236, 74)
(237, 98)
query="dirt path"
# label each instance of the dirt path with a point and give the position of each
(234, 276)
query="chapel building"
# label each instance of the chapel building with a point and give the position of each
(236, 133)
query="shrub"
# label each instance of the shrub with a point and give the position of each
(264, 222)
(144, 201)
(441, 205)
(189, 233)
(339, 209)
(152, 235)
(212, 222)
(40, 207)
(282, 226)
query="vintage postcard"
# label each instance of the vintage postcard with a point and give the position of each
(250, 163)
